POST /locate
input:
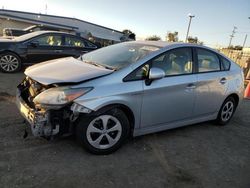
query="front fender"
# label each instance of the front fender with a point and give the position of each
(131, 101)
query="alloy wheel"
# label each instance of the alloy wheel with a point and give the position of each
(227, 111)
(104, 132)
(9, 63)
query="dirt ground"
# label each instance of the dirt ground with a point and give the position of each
(203, 155)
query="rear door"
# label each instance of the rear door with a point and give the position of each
(75, 46)
(45, 47)
(211, 82)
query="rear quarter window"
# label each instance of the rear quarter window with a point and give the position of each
(225, 63)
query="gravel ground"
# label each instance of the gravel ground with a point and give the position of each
(202, 155)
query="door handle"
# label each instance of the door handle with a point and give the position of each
(190, 86)
(58, 51)
(223, 80)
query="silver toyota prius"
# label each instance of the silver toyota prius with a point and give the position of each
(131, 88)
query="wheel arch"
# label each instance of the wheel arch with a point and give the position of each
(9, 51)
(17, 57)
(235, 97)
(129, 113)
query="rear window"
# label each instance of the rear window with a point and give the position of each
(89, 44)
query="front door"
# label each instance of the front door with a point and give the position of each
(171, 98)
(44, 48)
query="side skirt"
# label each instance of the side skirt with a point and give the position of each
(172, 125)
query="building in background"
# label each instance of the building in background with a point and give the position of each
(99, 34)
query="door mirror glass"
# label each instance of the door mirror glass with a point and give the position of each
(156, 73)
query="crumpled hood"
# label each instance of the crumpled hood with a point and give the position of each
(64, 70)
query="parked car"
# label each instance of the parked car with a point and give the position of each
(131, 88)
(18, 32)
(40, 46)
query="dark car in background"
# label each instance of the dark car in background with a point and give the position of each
(40, 46)
(18, 32)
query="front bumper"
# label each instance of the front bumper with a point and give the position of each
(38, 120)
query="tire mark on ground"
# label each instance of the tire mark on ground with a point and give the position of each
(175, 174)
(4, 96)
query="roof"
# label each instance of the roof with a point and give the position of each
(153, 43)
(33, 21)
(163, 44)
(36, 33)
(5, 12)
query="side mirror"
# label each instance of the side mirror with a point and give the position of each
(34, 44)
(156, 73)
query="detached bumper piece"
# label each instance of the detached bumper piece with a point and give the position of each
(43, 122)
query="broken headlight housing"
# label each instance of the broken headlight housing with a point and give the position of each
(60, 95)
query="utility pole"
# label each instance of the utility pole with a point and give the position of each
(46, 8)
(244, 42)
(232, 35)
(190, 19)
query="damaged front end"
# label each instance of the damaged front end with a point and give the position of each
(49, 109)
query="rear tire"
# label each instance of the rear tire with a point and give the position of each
(226, 111)
(103, 133)
(9, 62)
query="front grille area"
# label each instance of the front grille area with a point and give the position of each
(30, 89)
(44, 121)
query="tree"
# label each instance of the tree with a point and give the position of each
(127, 31)
(237, 47)
(172, 37)
(194, 40)
(153, 38)
(128, 35)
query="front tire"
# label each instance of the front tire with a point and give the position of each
(226, 112)
(103, 133)
(9, 62)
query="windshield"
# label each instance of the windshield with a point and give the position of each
(119, 55)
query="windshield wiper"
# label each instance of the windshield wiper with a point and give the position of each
(99, 65)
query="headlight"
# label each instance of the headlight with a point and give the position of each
(60, 95)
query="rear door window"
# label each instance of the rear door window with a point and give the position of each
(207, 61)
(74, 42)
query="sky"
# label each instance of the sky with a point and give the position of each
(213, 22)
